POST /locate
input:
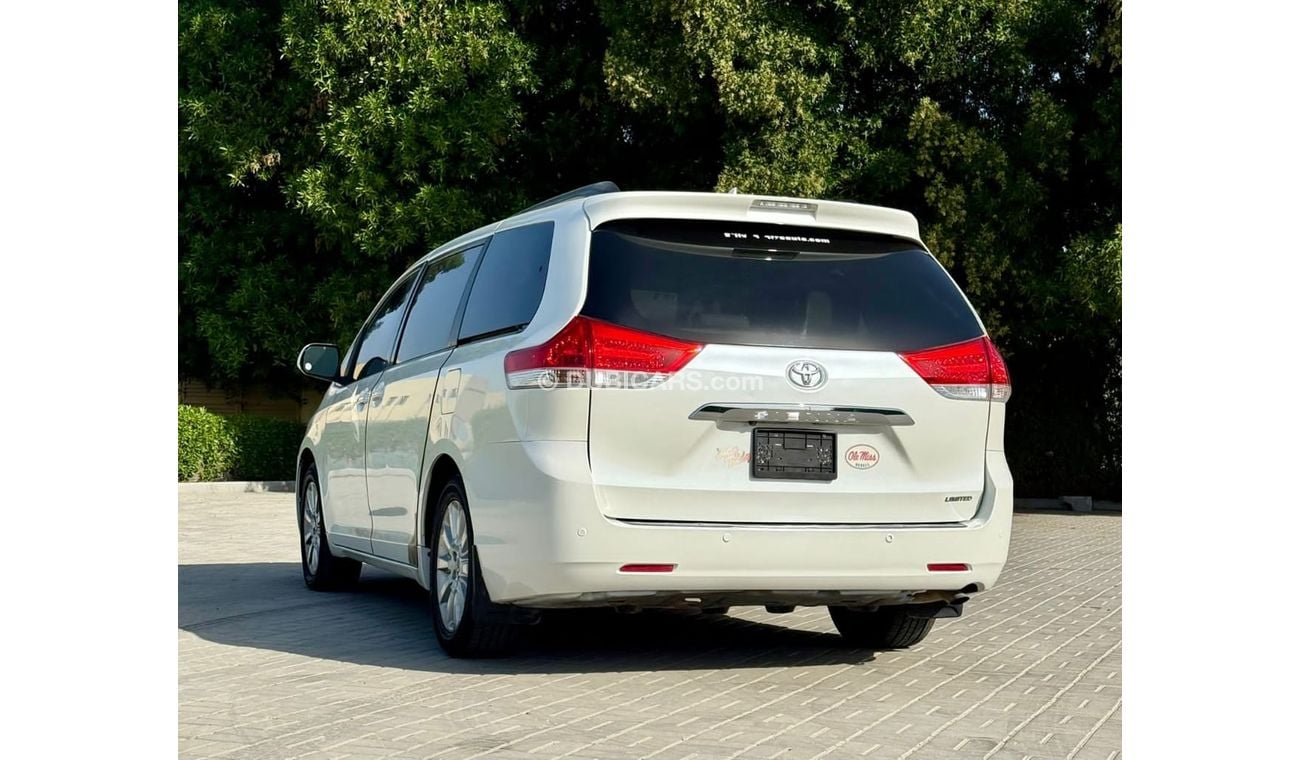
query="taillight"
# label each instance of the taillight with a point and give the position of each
(999, 375)
(970, 370)
(589, 352)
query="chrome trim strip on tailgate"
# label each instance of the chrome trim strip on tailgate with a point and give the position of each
(801, 414)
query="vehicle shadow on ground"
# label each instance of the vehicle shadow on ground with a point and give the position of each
(384, 621)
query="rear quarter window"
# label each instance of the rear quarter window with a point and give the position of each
(774, 285)
(509, 285)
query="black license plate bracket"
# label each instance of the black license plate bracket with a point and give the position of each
(781, 454)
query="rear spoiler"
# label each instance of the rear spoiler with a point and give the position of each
(606, 207)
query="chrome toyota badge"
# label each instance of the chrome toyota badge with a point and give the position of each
(806, 375)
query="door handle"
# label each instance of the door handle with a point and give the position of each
(376, 395)
(362, 398)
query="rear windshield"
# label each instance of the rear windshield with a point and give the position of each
(773, 285)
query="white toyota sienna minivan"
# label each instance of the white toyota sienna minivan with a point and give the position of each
(664, 399)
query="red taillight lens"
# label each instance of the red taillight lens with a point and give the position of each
(972, 370)
(588, 351)
(621, 349)
(569, 349)
(959, 364)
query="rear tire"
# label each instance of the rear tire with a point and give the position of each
(456, 592)
(883, 628)
(321, 570)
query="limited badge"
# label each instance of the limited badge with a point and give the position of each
(862, 457)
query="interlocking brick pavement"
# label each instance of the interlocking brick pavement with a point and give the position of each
(269, 669)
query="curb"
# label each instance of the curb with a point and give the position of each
(238, 486)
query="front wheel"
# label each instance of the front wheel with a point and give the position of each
(458, 597)
(321, 570)
(882, 628)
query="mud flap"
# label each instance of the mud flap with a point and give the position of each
(499, 613)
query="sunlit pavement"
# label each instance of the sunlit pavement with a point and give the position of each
(269, 669)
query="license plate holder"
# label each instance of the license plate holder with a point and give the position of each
(780, 454)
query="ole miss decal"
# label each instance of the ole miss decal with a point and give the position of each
(861, 457)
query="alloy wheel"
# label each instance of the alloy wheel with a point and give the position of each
(451, 572)
(311, 526)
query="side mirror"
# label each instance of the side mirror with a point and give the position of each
(319, 361)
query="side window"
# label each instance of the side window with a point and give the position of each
(376, 340)
(509, 284)
(433, 312)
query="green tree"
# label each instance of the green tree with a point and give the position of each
(421, 106)
(997, 123)
(578, 131)
(246, 258)
(325, 144)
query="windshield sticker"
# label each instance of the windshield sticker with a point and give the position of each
(770, 238)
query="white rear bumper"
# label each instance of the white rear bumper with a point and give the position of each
(542, 541)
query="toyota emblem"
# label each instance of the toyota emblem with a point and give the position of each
(806, 375)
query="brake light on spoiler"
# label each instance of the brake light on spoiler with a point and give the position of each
(972, 370)
(592, 353)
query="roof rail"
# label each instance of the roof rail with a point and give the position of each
(586, 191)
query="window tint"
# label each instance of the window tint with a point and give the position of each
(377, 339)
(773, 285)
(509, 284)
(428, 328)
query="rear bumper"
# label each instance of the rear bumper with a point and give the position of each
(549, 545)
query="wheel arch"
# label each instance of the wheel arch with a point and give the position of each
(305, 459)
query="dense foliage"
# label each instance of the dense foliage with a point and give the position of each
(326, 143)
(239, 447)
(204, 446)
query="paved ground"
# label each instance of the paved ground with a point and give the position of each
(269, 669)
